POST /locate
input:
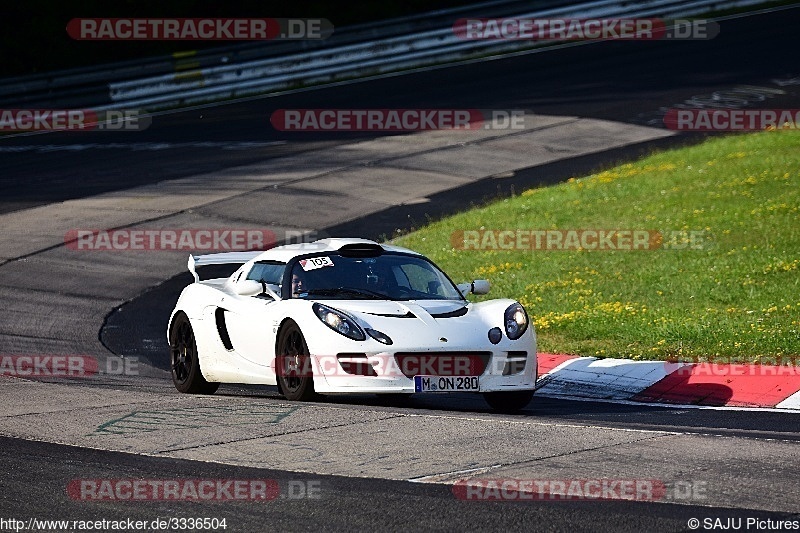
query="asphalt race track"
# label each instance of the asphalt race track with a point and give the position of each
(345, 503)
(372, 463)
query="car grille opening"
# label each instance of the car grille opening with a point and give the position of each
(407, 315)
(356, 364)
(515, 362)
(442, 363)
(451, 314)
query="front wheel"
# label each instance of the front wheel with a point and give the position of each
(295, 375)
(185, 364)
(508, 401)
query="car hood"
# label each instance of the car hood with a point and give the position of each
(399, 309)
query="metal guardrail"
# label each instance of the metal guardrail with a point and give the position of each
(87, 84)
(369, 58)
(355, 55)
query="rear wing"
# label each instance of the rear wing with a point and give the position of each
(224, 258)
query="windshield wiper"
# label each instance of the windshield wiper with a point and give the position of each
(347, 290)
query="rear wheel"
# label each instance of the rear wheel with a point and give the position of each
(295, 375)
(185, 364)
(508, 402)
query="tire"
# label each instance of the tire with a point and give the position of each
(184, 362)
(508, 402)
(295, 376)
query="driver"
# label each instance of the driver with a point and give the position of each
(298, 283)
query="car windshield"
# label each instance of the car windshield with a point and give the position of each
(386, 277)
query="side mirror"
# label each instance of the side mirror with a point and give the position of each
(251, 287)
(248, 287)
(478, 286)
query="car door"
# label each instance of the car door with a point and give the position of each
(248, 319)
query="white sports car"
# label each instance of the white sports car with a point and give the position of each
(348, 316)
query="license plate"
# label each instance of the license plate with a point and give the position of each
(447, 384)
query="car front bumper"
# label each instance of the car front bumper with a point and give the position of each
(385, 372)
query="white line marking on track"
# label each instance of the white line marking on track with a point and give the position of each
(673, 405)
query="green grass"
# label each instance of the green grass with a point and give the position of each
(737, 297)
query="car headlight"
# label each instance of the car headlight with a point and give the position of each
(379, 336)
(516, 321)
(338, 322)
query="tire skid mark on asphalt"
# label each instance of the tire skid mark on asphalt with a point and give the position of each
(275, 435)
(442, 476)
